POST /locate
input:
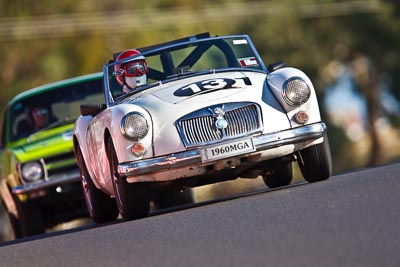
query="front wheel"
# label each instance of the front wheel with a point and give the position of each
(100, 206)
(30, 219)
(280, 175)
(133, 200)
(14, 225)
(315, 162)
(168, 198)
(11, 223)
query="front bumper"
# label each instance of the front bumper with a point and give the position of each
(62, 179)
(193, 157)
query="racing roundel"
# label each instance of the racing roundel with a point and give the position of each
(212, 84)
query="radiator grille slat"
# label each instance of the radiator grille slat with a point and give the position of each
(59, 164)
(201, 129)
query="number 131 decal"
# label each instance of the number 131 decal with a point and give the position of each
(212, 84)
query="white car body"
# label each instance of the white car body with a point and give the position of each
(203, 126)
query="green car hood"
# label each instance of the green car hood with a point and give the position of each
(45, 144)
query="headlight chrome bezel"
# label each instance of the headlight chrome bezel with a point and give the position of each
(134, 126)
(296, 91)
(32, 172)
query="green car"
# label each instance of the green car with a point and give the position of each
(40, 183)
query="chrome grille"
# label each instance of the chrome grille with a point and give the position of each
(60, 165)
(198, 128)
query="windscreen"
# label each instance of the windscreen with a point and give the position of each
(180, 60)
(60, 106)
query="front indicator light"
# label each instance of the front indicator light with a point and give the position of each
(301, 117)
(138, 149)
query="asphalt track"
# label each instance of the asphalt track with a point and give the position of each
(352, 219)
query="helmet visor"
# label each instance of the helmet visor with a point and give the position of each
(135, 68)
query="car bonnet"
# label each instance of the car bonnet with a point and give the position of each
(44, 144)
(210, 87)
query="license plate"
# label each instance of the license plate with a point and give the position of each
(227, 150)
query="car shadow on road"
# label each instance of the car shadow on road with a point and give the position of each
(203, 196)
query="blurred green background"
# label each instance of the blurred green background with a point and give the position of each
(350, 50)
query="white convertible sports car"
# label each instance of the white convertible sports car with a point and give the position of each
(209, 111)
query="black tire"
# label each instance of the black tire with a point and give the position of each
(132, 199)
(15, 225)
(171, 198)
(281, 175)
(101, 207)
(30, 219)
(315, 162)
(13, 221)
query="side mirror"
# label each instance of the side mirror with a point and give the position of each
(275, 66)
(92, 109)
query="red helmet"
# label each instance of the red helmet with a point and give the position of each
(135, 68)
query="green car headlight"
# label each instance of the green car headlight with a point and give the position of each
(32, 171)
(134, 126)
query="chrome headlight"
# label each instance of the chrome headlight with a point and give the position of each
(32, 171)
(134, 126)
(296, 91)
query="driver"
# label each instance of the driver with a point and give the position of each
(133, 73)
(36, 119)
(41, 117)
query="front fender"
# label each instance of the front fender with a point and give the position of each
(122, 144)
(80, 134)
(80, 137)
(276, 81)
